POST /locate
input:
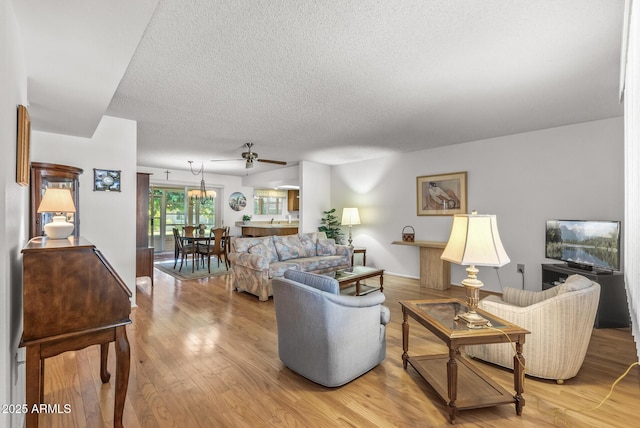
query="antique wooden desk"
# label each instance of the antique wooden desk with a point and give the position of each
(477, 389)
(72, 298)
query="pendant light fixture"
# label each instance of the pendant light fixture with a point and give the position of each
(202, 194)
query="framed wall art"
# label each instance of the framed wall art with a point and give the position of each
(106, 180)
(23, 150)
(444, 194)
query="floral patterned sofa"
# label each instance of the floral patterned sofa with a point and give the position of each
(256, 261)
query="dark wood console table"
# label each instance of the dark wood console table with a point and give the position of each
(72, 298)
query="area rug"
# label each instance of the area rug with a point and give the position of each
(186, 274)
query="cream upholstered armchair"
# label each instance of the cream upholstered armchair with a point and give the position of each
(560, 320)
(326, 337)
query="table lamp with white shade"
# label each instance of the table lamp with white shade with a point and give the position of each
(350, 217)
(474, 241)
(59, 202)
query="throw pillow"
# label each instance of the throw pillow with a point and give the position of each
(574, 283)
(289, 247)
(263, 251)
(242, 245)
(327, 247)
(308, 241)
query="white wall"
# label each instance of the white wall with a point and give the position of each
(571, 172)
(315, 194)
(289, 176)
(107, 219)
(14, 203)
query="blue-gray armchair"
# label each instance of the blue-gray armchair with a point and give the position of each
(326, 337)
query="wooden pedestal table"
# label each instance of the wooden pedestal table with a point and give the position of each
(445, 372)
(72, 298)
(435, 273)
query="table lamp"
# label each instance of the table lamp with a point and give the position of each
(474, 241)
(57, 201)
(350, 216)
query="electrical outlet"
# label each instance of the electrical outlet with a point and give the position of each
(521, 268)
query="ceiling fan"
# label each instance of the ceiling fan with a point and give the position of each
(250, 156)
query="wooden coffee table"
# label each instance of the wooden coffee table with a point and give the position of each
(355, 274)
(443, 372)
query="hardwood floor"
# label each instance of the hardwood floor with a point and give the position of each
(203, 355)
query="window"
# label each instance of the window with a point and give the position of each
(169, 208)
(267, 201)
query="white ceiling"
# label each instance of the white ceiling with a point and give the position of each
(329, 82)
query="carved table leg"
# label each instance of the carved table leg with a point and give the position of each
(104, 355)
(518, 378)
(122, 374)
(405, 337)
(452, 383)
(381, 283)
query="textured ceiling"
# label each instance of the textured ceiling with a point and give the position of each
(339, 81)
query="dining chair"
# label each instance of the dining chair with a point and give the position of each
(215, 245)
(188, 230)
(183, 249)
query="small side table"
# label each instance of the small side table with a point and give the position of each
(360, 250)
(442, 372)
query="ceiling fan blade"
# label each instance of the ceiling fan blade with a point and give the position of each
(225, 160)
(272, 161)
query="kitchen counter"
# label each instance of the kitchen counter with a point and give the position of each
(268, 229)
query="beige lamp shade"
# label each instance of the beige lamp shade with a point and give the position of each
(350, 216)
(475, 240)
(57, 201)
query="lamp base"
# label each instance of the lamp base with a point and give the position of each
(473, 320)
(472, 285)
(58, 228)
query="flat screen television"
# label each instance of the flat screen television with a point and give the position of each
(584, 244)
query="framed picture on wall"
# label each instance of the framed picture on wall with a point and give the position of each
(23, 153)
(106, 180)
(444, 194)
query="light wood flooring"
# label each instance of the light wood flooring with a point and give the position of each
(204, 355)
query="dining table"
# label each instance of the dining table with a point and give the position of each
(195, 239)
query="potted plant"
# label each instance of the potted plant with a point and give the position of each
(246, 218)
(331, 226)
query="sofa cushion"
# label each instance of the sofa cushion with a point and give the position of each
(279, 268)
(326, 247)
(320, 263)
(289, 247)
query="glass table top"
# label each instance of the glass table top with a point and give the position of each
(445, 312)
(354, 271)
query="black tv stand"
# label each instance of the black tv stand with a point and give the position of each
(613, 310)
